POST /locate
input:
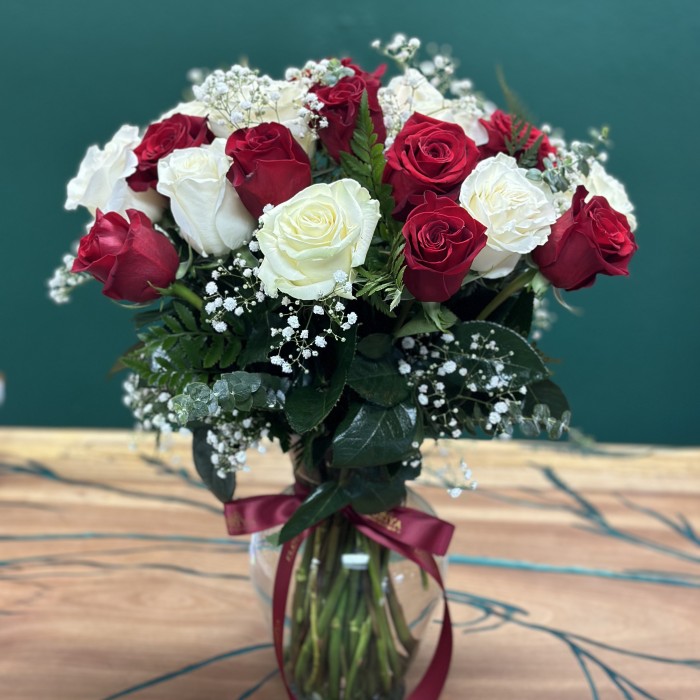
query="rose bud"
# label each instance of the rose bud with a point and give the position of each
(590, 238)
(127, 257)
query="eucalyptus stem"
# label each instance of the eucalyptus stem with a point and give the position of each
(516, 285)
(177, 289)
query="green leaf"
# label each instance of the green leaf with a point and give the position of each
(418, 324)
(213, 354)
(433, 317)
(516, 313)
(307, 405)
(500, 352)
(186, 316)
(513, 101)
(172, 324)
(377, 381)
(375, 345)
(328, 498)
(257, 348)
(202, 452)
(376, 495)
(372, 435)
(548, 393)
(440, 315)
(230, 353)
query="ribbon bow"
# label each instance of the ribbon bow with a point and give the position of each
(411, 533)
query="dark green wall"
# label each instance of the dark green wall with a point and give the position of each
(73, 72)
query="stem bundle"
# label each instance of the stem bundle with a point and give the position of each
(349, 637)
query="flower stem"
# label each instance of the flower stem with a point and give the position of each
(177, 289)
(516, 285)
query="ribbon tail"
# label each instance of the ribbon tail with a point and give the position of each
(283, 579)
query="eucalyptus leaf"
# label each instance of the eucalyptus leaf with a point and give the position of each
(241, 385)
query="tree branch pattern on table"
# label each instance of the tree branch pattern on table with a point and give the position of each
(82, 551)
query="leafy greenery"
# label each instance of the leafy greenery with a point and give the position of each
(371, 435)
(308, 403)
(381, 278)
(500, 352)
(328, 498)
(222, 487)
(377, 381)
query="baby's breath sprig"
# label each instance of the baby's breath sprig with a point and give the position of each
(299, 339)
(401, 49)
(233, 289)
(63, 281)
(231, 437)
(431, 365)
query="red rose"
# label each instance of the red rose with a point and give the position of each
(590, 238)
(442, 240)
(341, 103)
(126, 256)
(161, 139)
(428, 155)
(500, 128)
(269, 166)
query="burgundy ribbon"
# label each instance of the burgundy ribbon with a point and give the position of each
(413, 534)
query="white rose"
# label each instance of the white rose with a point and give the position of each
(322, 230)
(206, 207)
(285, 110)
(101, 179)
(600, 183)
(412, 92)
(469, 121)
(193, 108)
(517, 213)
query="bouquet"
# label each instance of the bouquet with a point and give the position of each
(349, 265)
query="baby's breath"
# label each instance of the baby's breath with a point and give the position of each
(63, 281)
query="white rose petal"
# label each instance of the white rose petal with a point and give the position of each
(600, 183)
(307, 239)
(284, 110)
(101, 179)
(193, 108)
(206, 207)
(413, 92)
(517, 213)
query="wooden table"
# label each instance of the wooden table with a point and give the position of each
(572, 576)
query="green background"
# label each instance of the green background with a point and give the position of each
(73, 72)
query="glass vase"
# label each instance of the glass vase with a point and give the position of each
(355, 613)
